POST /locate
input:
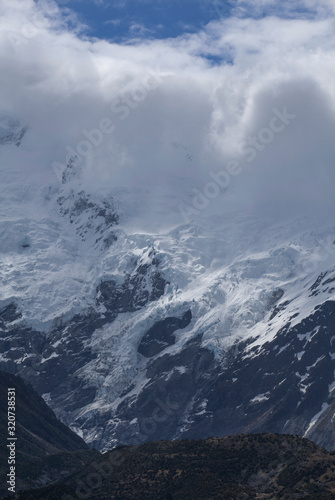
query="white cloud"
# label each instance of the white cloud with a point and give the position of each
(194, 120)
(285, 8)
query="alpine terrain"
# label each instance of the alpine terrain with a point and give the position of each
(220, 325)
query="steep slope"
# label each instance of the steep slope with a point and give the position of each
(46, 449)
(240, 467)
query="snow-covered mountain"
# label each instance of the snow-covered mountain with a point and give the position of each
(218, 326)
(11, 131)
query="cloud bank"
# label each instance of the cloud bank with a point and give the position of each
(156, 117)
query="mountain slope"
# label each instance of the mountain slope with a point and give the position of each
(46, 449)
(219, 326)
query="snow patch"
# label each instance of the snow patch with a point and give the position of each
(260, 398)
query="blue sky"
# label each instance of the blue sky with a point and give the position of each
(123, 19)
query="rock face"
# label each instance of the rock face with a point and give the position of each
(279, 386)
(145, 284)
(160, 335)
(46, 449)
(266, 466)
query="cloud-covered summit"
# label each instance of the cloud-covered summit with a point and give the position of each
(157, 116)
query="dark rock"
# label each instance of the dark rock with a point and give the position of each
(277, 295)
(144, 285)
(9, 314)
(160, 335)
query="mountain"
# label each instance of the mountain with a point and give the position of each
(11, 130)
(46, 450)
(241, 467)
(218, 326)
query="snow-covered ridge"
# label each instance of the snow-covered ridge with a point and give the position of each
(228, 268)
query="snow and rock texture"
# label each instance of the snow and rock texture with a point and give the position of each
(11, 131)
(220, 326)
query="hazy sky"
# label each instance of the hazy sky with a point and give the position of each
(162, 96)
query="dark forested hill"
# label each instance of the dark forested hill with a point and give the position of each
(256, 466)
